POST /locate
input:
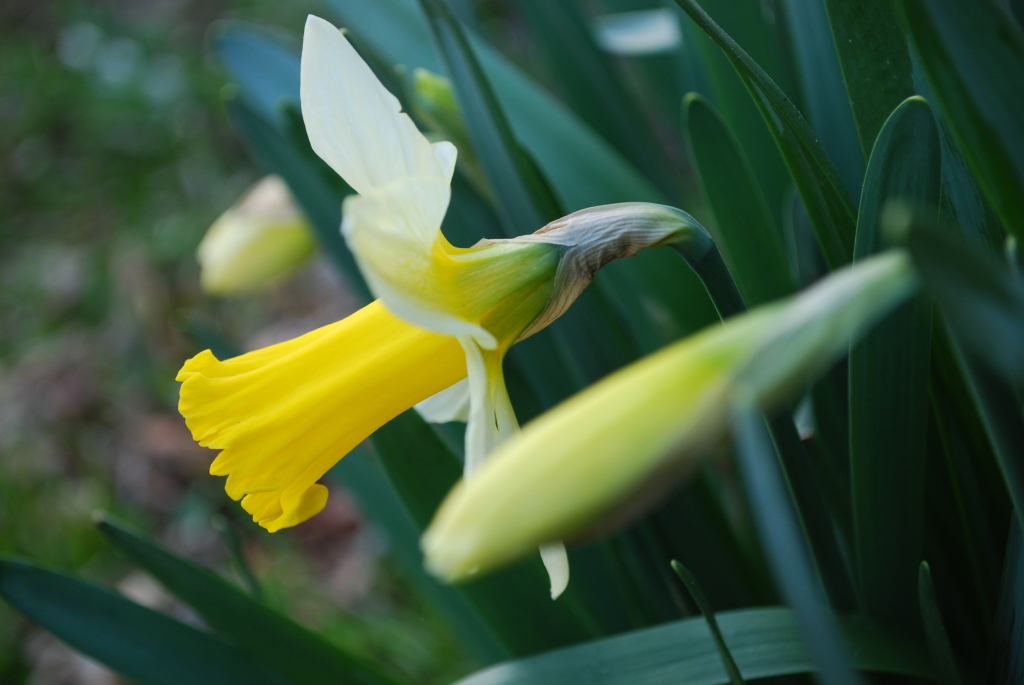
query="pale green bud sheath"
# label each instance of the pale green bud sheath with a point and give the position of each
(645, 426)
(258, 241)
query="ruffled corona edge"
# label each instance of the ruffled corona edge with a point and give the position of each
(285, 414)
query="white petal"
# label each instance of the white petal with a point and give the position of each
(392, 230)
(445, 153)
(556, 561)
(451, 404)
(353, 122)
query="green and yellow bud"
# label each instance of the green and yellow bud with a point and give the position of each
(646, 426)
(259, 240)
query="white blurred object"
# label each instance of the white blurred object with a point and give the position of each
(646, 32)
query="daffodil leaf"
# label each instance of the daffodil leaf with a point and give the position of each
(265, 69)
(592, 86)
(523, 198)
(361, 472)
(934, 629)
(889, 382)
(820, 93)
(778, 528)
(875, 60)
(748, 235)
(828, 203)
(513, 602)
(1007, 664)
(262, 634)
(701, 600)
(729, 95)
(764, 642)
(143, 645)
(973, 57)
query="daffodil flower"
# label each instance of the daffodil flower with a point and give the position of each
(284, 415)
(259, 240)
(602, 453)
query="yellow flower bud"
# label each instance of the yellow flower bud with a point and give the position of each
(642, 428)
(259, 240)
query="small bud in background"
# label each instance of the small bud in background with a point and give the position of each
(263, 237)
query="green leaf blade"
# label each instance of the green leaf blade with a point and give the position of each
(973, 57)
(141, 644)
(889, 382)
(828, 202)
(261, 633)
(751, 241)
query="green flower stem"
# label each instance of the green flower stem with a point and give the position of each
(699, 250)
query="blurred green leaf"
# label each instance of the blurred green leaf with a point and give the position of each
(701, 600)
(764, 641)
(261, 633)
(875, 60)
(981, 298)
(750, 239)
(826, 198)
(513, 602)
(265, 69)
(973, 57)
(523, 198)
(1007, 658)
(729, 94)
(935, 630)
(589, 79)
(822, 95)
(778, 528)
(889, 382)
(141, 644)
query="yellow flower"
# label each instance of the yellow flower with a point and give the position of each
(285, 414)
(645, 426)
(257, 241)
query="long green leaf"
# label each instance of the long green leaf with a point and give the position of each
(765, 642)
(935, 630)
(779, 530)
(592, 85)
(750, 239)
(979, 295)
(523, 198)
(875, 60)
(361, 473)
(145, 646)
(701, 600)
(973, 56)
(822, 92)
(889, 381)
(827, 200)
(261, 633)
(512, 602)
(1007, 658)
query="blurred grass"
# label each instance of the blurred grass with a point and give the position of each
(115, 156)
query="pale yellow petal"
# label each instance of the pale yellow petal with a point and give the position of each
(483, 293)
(451, 404)
(286, 414)
(353, 122)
